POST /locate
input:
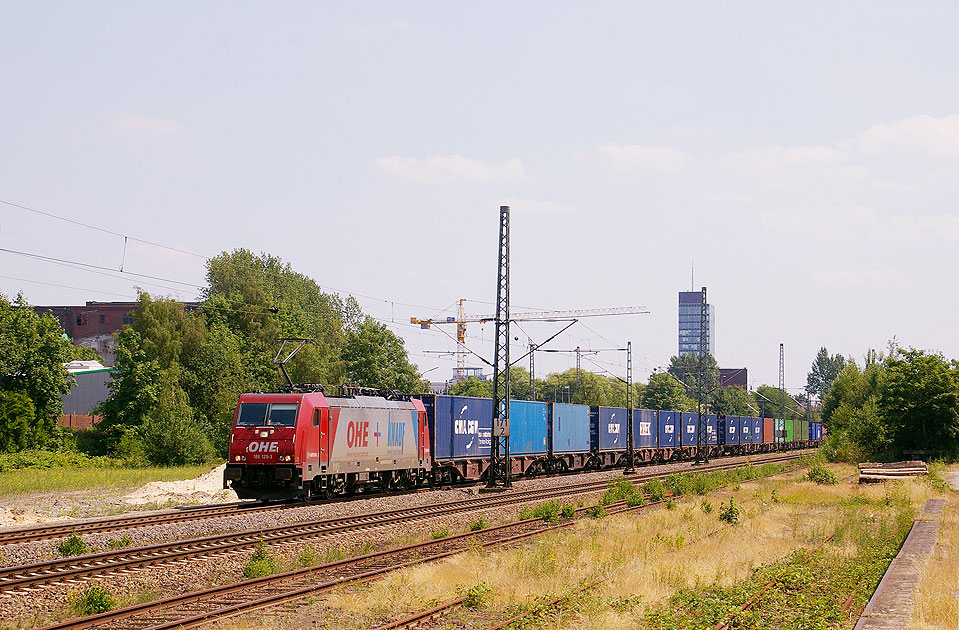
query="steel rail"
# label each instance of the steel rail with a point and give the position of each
(16, 579)
(256, 585)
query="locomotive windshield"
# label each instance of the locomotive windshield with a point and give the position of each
(263, 414)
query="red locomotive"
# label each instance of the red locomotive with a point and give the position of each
(290, 445)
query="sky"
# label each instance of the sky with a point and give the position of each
(800, 156)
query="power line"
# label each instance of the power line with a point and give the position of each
(64, 286)
(100, 229)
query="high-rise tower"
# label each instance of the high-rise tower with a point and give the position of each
(690, 312)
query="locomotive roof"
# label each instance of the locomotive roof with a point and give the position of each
(376, 402)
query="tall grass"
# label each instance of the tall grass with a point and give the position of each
(28, 481)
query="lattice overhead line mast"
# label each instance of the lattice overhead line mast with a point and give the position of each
(499, 468)
(702, 391)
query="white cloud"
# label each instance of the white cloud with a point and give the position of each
(916, 136)
(446, 169)
(140, 122)
(633, 158)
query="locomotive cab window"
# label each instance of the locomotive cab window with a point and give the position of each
(316, 417)
(263, 414)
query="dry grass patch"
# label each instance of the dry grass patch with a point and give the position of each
(937, 603)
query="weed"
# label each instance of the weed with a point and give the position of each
(621, 490)
(334, 553)
(597, 511)
(477, 595)
(670, 504)
(442, 532)
(707, 507)
(655, 490)
(821, 474)
(261, 563)
(120, 543)
(478, 524)
(568, 511)
(548, 511)
(306, 557)
(92, 600)
(368, 546)
(775, 496)
(72, 545)
(730, 513)
(624, 604)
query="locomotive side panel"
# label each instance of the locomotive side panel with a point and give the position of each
(366, 439)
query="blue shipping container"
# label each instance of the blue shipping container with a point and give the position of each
(570, 428)
(690, 428)
(732, 433)
(712, 429)
(461, 427)
(645, 428)
(528, 427)
(608, 427)
(757, 430)
(668, 429)
(746, 430)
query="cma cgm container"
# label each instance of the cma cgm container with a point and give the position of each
(645, 428)
(570, 425)
(769, 434)
(528, 427)
(690, 428)
(732, 430)
(461, 426)
(608, 428)
(669, 429)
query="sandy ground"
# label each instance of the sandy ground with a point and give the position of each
(207, 488)
(26, 509)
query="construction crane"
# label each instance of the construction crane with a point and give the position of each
(461, 320)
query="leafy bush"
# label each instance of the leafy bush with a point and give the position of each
(120, 543)
(597, 511)
(45, 460)
(655, 489)
(440, 533)
(477, 595)
(670, 504)
(17, 416)
(730, 513)
(92, 600)
(548, 511)
(261, 563)
(478, 524)
(73, 545)
(822, 475)
(568, 511)
(621, 490)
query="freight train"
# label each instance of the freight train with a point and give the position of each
(308, 444)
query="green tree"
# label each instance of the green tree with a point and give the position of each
(823, 372)
(17, 416)
(768, 400)
(919, 399)
(472, 386)
(375, 357)
(171, 435)
(33, 350)
(688, 369)
(732, 401)
(665, 393)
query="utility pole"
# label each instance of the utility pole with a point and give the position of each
(702, 456)
(532, 370)
(579, 357)
(629, 410)
(782, 390)
(499, 468)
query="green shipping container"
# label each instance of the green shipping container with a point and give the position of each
(789, 430)
(804, 432)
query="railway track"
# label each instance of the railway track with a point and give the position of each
(59, 530)
(268, 591)
(9, 536)
(202, 607)
(25, 578)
